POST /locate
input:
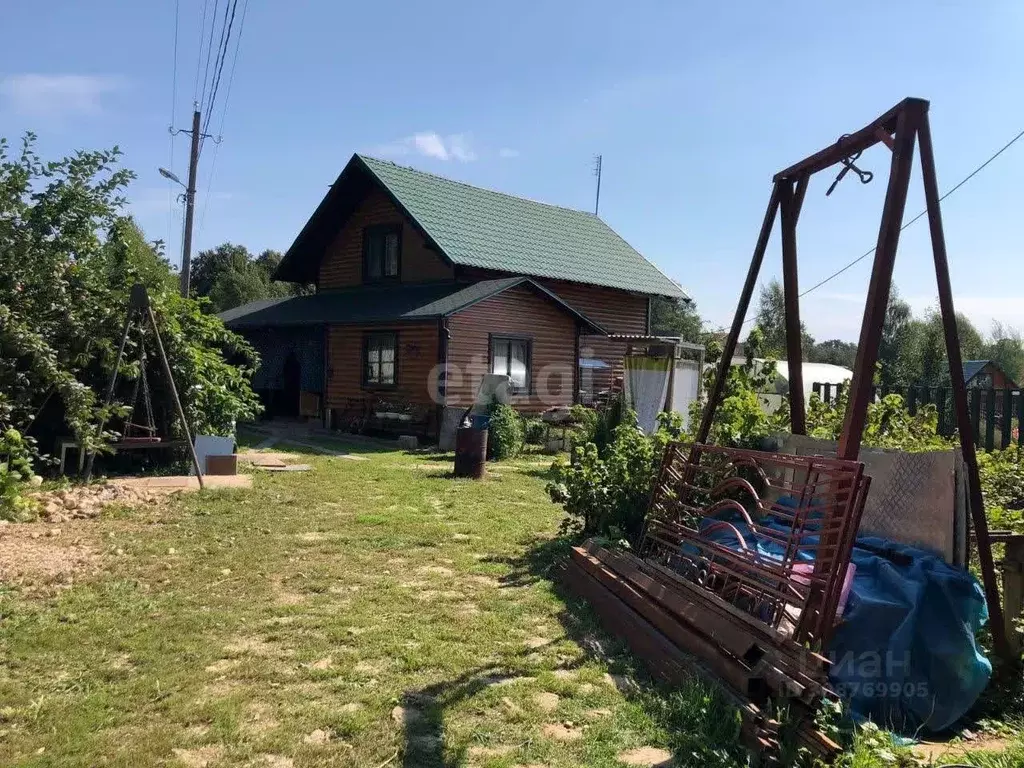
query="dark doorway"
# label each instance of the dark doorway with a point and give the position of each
(292, 376)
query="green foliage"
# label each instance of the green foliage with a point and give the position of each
(68, 259)
(605, 490)
(15, 471)
(833, 352)
(889, 423)
(1002, 484)
(608, 420)
(534, 431)
(1006, 349)
(230, 276)
(899, 351)
(676, 317)
(585, 420)
(771, 319)
(740, 420)
(505, 438)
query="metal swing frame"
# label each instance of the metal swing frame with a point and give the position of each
(139, 312)
(900, 128)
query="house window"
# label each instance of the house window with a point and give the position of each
(511, 357)
(382, 248)
(380, 359)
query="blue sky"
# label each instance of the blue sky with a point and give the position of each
(694, 107)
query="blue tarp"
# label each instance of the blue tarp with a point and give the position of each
(904, 652)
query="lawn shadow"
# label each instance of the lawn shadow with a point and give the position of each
(699, 716)
(425, 707)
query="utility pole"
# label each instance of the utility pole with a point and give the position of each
(190, 207)
(597, 172)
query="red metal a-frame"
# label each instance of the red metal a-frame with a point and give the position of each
(898, 129)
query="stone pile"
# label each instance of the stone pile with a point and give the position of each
(87, 501)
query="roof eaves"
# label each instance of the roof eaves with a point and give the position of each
(503, 284)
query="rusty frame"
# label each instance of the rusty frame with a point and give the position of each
(899, 129)
(815, 506)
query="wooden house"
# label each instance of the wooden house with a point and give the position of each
(424, 284)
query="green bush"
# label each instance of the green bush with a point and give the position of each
(15, 473)
(69, 256)
(534, 431)
(605, 491)
(505, 440)
(740, 420)
(1002, 484)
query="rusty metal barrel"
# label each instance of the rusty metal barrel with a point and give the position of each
(470, 452)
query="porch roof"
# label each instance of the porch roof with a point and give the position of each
(385, 303)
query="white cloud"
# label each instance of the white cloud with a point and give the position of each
(508, 152)
(35, 95)
(460, 149)
(430, 144)
(455, 146)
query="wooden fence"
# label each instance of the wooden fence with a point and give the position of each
(996, 414)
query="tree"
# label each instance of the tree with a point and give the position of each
(68, 259)
(676, 317)
(771, 319)
(834, 352)
(1006, 349)
(230, 276)
(900, 349)
(934, 361)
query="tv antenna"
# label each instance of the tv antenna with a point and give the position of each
(597, 172)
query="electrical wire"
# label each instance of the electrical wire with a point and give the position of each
(199, 58)
(222, 50)
(916, 218)
(223, 116)
(209, 51)
(170, 123)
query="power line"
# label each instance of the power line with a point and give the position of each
(919, 216)
(222, 51)
(209, 50)
(199, 58)
(224, 113)
(170, 123)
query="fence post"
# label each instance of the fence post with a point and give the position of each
(912, 400)
(1006, 422)
(975, 400)
(1020, 418)
(940, 406)
(990, 419)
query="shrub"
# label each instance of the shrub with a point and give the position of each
(15, 473)
(605, 491)
(534, 431)
(505, 440)
(889, 424)
(69, 256)
(740, 420)
(1002, 484)
(585, 422)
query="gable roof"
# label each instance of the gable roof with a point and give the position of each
(372, 304)
(477, 227)
(973, 367)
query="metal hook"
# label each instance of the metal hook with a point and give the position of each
(848, 165)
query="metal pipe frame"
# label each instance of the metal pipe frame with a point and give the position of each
(898, 129)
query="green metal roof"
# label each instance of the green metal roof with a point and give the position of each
(482, 228)
(384, 303)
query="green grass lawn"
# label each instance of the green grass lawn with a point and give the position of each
(366, 613)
